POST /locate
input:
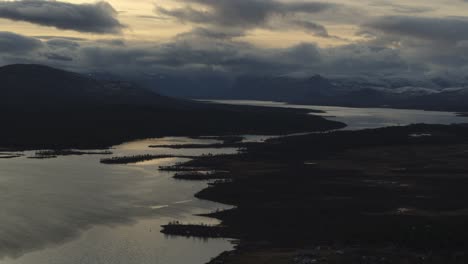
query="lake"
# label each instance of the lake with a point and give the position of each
(73, 209)
(364, 118)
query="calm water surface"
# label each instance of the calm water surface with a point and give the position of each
(364, 118)
(75, 210)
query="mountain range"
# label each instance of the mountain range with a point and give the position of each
(317, 90)
(436, 93)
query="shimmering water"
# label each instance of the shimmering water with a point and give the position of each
(73, 209)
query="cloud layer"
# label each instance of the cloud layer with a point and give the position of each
(13, 43)
(426, 28)
(195, 54)
(245, 15)
(383, 38)
(99, 17)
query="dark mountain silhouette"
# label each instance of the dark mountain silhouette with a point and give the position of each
(43, 107)
(38, 85)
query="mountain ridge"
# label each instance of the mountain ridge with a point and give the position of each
(47, 108)
(39, 85)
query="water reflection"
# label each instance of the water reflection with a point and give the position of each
(73, 209)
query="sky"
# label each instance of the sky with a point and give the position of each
(235, 37)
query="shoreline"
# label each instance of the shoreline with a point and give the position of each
(248, 171)
(152, 211)
(317, 111)
(101, 128)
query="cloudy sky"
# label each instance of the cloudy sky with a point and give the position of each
(341, 37)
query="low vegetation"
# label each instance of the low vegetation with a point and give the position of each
(367, 196)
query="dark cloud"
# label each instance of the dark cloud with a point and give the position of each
(250, 14)
(404, 9)
(314, 28)
(242, 13)
(306, 52)
(213, 32)
(190, 53)
(196, 54)
(114, 42)
(98, 18)
(14, 43)
(365, 59)
(58, 57)
(399, 44)
(427, 28)
(62, 43)
(60, 37)
(435, 45)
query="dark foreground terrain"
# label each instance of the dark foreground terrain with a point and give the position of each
(392, 195)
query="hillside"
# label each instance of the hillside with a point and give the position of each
(42, 107)
(38, 85)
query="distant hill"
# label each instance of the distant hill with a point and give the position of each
(435, 94)
(280, 88)
(38, 85)
(43, 107)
